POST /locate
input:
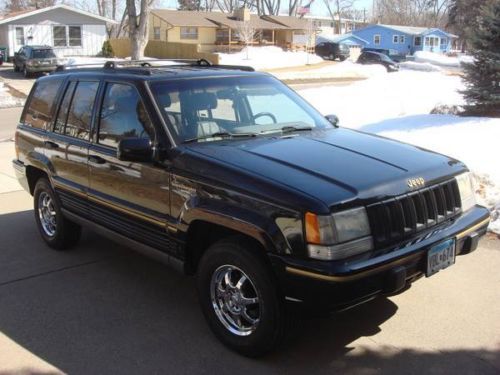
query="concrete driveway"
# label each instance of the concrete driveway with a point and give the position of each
(16, 80)
(104, 309)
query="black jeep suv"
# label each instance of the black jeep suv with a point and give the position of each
(229, 175)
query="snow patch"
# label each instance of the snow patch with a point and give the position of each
(7, 100)
(440, 59)
(345, 69)
(423, 67)
(268, 58)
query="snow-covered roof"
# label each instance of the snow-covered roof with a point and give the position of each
(23, 14)
(340, 38)
(413, 30)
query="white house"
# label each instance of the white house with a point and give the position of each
(71, 31)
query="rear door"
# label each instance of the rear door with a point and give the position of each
(67, 146)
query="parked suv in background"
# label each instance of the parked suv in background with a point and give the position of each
(370, 58)
(229, 175)
(332, 51)
(35, 59)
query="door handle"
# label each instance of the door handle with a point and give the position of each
(51, 145)
(96, 159)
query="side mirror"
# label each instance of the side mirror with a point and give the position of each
(333, 119)
(135, 149)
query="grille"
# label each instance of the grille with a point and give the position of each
(401, 217)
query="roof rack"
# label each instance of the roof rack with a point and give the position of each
(152, 63)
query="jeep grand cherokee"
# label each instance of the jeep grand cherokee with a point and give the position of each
(229, 175)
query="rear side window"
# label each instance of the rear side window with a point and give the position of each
(123, 115)
(75, 113)
(80, 112)
(39, 112)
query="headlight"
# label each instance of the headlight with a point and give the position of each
(339, 235)
(466, 190)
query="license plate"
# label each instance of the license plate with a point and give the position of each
(440, 256)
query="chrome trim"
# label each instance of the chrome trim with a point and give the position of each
(473, 228)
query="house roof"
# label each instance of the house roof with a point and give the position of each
(184, 17)
(14, 16)
(290, 22)
(255, 21)
(413, 30)
(340, 38)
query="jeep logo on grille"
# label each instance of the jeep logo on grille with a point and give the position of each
(417, 182)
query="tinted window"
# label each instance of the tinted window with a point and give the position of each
(80, 112)
(39, 112)
(43, 53)
(123, 115)
(63, 108)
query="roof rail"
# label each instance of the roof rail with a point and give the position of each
(151, 63)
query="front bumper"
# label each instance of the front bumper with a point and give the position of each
(337, 285)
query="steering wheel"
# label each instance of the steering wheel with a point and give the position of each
(262, 114)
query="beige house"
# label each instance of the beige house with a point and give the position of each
(212, 29)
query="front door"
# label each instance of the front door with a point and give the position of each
(67, 146)
(131, 198)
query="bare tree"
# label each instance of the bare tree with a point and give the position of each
(336, 8)
(310, 34)
(428, 13)
(246, 33)
(138, 26)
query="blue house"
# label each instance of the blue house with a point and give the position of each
(405, 39)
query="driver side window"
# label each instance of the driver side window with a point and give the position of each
(123, 115)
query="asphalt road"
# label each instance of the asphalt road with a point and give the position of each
(104, 309)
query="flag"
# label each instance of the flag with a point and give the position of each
(306, 9)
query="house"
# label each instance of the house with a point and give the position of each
(211, 29)
(406, 39)
(328, 27)
(71, 31)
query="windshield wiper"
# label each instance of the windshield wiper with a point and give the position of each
(290, 129)
(219, 135)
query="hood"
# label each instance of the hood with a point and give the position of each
(335, 166)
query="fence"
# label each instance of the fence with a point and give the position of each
(164, 50)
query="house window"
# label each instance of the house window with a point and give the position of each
(444, 42)
(20, 36)
(75, 36)
(156, 33)
(418, 40)
(67, 36)
(376, 39)
(402, 39)
(222, 36)
(395, 39)
(189, 33)
(59, 36)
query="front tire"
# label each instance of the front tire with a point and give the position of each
(57, 231)
(26, 73)
(239, 298)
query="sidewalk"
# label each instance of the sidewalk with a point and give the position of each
(8, 180)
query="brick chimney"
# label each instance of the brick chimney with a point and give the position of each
(242, 14)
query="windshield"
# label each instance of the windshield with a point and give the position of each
(43, 54)
(232, 106)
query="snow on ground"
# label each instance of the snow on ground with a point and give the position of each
(345, 69)
(440, 59)
(386, 96)
(420, 66)
(397, 105)
(268, 58)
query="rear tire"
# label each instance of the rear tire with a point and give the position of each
(57, 231)
(239, 298)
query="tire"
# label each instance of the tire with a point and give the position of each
(232, 257)
(16, 68)
(331, 57)
(26, 73)
(59, 233)
(342, 58)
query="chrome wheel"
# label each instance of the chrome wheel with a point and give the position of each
(47, 214)
(235, 300)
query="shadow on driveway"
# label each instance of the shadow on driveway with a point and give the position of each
(104, 309)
